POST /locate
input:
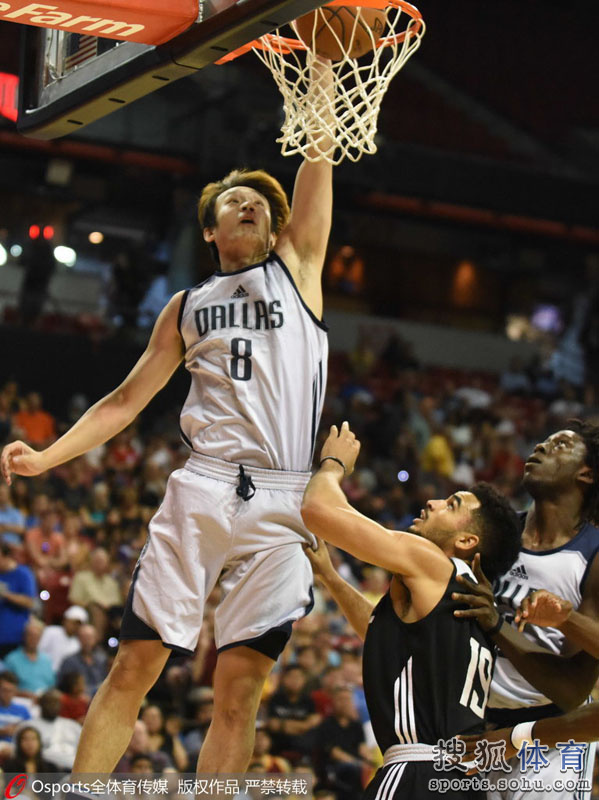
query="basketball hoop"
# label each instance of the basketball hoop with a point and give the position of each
(338, 120)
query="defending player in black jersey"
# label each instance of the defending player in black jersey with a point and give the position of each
(426, 676)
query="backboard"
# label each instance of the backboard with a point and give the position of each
(69, 80)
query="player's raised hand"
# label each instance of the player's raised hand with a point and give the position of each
(543, 608)
(21, 459)
(479, 596)
(341, 445)
(322, 566)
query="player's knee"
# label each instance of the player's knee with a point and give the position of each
(134, 671)
(237, 705)
(235, 715)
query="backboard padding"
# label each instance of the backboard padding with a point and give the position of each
(129, 71)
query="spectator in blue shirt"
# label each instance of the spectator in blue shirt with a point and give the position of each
(90, 660)
(12, 521)
(32, 668)
(11, 713)
(17, 596)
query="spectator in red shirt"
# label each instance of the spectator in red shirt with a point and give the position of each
(74, 701)
(45, 548)
(37, 425)
(122, 455)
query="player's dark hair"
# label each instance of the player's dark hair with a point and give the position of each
(256, 179)
(499, 528)
(589, 434)
(5, 549)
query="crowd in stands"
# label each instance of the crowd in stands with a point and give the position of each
(70, 538)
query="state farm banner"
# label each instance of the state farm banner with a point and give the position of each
(147, 22)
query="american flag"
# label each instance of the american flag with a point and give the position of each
(80, 47)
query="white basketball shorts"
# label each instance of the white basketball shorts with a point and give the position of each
(241, 527)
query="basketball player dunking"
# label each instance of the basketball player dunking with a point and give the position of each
(426, 674)
(254, 343)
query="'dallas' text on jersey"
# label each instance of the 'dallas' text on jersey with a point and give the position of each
(258, 358)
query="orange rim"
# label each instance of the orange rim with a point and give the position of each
(286, 45)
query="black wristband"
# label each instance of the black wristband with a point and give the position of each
(333, 458)
(495, 629)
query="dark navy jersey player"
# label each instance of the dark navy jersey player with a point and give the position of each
(553, 666)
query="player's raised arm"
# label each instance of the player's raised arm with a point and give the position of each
(303, 242)
(355, 607)
(115, 411)
(327, 514)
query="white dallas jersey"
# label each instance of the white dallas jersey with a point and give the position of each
(258, 362)
(562, 571)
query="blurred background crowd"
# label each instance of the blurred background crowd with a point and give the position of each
(70, 538)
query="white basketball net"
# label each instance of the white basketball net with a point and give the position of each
(339, 120)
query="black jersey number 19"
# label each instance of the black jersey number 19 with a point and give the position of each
(480, 671)
(241, 361)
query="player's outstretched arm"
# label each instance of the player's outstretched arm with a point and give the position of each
(355, 607)
(581, 725)
(303, 242)
(580, 627)
(327, 514)
(115, 411)
(566, 680)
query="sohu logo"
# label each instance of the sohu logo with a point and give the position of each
(15, 786)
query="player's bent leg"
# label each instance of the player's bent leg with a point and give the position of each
(238, 682)
(112, 714)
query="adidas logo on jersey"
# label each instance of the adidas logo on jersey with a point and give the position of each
(239, 292)
(519, 572)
